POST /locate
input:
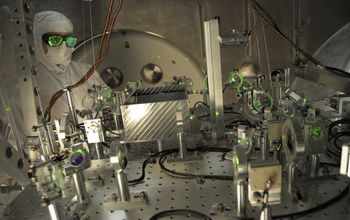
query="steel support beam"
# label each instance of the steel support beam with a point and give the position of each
(12, 162)
(22, 38)
(212, 47)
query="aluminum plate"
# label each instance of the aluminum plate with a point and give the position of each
(166, 192)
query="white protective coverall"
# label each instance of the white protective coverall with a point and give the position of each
(51, 77)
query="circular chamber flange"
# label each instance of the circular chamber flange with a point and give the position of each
(112, 77)
(151, 73)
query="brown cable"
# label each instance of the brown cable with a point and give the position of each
(91, 70)
(58, 94)
(332, 70)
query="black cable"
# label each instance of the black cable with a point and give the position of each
(231, 112)
(329, 165)
(96, 114)
(240, 121)
(333, 124)
(142, 177)
(203, 116)
(317, 208)
(343, 133)
(334, 154)
(188, 175)
(201, 103)
(227, 108)
(150, 159)
(335, 141)
(82, 130)
(179, 212)
(110, 130)
(106, 145)
(125, 163)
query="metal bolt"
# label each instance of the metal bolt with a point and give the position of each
(143, 195)
(114, 197)
(221, 207)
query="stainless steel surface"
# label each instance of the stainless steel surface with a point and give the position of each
(23, 44)
(336, 46)
(241, 198)
(312, 89)
(12, 162)
(137, 201)
(249, 70)
(153, 121)
(151, 73)
(72, 109)
(212, 48)
(319, 20)
(314, 165)
(264, 148)
(279, 93)
(9, 129)
(293, 140)
(260, 174)
(266, 213)
(99, 151)
(274, 131)
(181, 22)
(147, 56)
(55, 212)
(345, 159)
(80, 189)
(122, 183)
(94, 130)
(112, 77)
(232, 38)
(181, 135)
(315, 137)
(166, 192)
(291, 177)
(182, 145)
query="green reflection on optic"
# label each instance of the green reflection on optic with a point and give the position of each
(237, 161)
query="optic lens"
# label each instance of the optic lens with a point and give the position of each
(71, 41)
(55, 41)
(76, 159)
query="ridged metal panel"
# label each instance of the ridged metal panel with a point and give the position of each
(154, 121)
(159, 90)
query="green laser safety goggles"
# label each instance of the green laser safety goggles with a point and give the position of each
(56, 40)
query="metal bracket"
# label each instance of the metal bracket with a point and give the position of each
(137, 201)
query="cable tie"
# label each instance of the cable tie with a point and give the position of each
(320, 65)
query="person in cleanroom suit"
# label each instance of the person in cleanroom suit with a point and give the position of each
(55, 68)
